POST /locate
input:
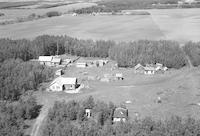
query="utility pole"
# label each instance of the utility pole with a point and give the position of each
(57, 48)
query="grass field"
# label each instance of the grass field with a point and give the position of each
(174, 24)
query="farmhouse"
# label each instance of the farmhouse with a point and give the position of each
(45, 60)
(139, 69)
(120, 114)
(63, 83)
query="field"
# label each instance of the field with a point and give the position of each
(174, 24)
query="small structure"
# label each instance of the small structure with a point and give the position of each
(74, 14)
(119, 76)
(66, 61)
(63, 83)
(81, 64)
(56, 61)
(88, 113)
(139, 69)
(59, 72)
(45, 60)
(120, 114)
(149, 70)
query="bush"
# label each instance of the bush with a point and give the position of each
(2, 14)
(52, 14)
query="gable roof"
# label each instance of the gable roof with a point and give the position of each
(138, 66)
(45, 58)
(149, 68)
(56, 60)
(64, 81)
(120, 113)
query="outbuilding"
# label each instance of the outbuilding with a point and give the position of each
(81, 64)
(45, 60)
(139, 69)
(56, 61)
(120, 114)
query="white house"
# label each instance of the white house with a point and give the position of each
(45, 60)
(120, 114)
(63, 83)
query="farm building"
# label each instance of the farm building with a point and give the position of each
(45, 60)
(66, 61)
(63, 83)
(119, 76)
(149, 70)
(120, 114)
(88, 113)
(59, 72)
(139, 69)
(56, 61)
(81, 64)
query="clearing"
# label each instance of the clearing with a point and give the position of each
(178, 89)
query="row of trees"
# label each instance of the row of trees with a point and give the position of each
(126, 54)
(118, 5)
(193, 51)
(60, 123)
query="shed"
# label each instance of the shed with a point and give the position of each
(139, 69)
(59, 72)
(63, 83)
(45, 60)
(81, 64)
(120, 114)
(56, 61)
(119, 76)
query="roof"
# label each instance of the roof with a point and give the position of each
(119, 75)
(45, 58)
(149, 68)
(56, 60)
(64, 81)
(138, 66)
(120, 113)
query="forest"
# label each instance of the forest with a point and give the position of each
(68, 119)
(127, 54)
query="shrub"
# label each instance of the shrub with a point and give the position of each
(52, 14)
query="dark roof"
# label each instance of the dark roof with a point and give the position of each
(120, 113)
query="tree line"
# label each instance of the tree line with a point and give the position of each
(67, 119)
(127, 54)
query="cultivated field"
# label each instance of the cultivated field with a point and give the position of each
(175, 24)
